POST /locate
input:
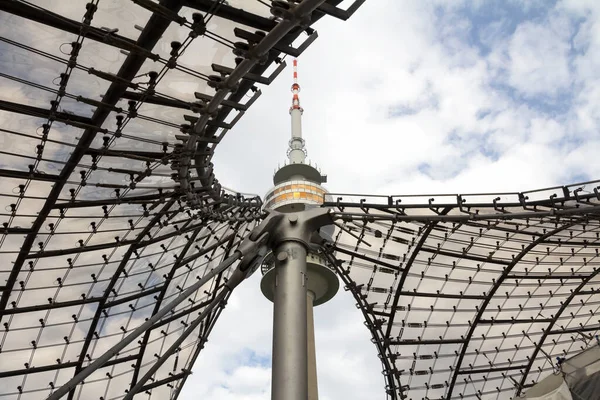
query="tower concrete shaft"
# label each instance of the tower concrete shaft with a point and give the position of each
(294, 281)
(290, 361)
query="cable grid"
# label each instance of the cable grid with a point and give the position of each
(110, 115)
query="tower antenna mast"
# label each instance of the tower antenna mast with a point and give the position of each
(296, 151)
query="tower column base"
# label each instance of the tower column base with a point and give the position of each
(290, 369)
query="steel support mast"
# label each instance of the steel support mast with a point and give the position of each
(293, 237)
(290, 361)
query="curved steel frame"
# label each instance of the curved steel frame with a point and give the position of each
(491, 294)
(216, 208)
(486, 217)
(456, 236)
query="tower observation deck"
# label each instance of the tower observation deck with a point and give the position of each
(297, 184)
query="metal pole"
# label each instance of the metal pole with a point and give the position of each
(290, 368)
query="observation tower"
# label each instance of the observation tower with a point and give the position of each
(297, 187)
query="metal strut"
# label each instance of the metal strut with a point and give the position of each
(237, 277)
(250, 250)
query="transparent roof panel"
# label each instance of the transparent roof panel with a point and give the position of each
(110, 113)
(471, 296)
(109, 116)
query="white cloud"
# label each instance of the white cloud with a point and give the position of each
(539, 58)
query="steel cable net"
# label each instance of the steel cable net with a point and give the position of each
(110, 114)
(472, 296)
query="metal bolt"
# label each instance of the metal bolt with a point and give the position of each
(282, 256)
(293, 219)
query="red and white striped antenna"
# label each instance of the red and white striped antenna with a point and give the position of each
(296, 151)
(295, 89)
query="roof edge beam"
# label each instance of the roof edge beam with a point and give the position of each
(251, 76)
(340, 13)
(232, 14)
(286, 49)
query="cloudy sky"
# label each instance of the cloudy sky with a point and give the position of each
(410, 97)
